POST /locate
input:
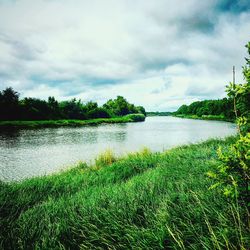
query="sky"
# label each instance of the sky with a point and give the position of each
(157, 53)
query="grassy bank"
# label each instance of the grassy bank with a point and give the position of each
(206, 117)
(73, 123)
(158, 113)
(142, 201)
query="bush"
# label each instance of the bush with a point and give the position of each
(136, 117)
(233, 175)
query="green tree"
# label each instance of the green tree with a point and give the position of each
(140, 109)
(9, 104)
(54, 108)
(120, 106)
(72, 109)
(233, 174)
(34, 109)
(11, 108)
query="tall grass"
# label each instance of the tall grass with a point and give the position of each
(143, 201)
(105, 158)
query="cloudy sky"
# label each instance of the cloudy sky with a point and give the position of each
(156, 53)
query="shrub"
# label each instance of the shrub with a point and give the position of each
(233, 174)
(136, 117)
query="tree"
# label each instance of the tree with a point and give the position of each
(8, 104)
(54, 108)
(141, 110)
(120, 106)
(223, 107)
(72, 109)
(34, 109)
(11, 108)
(233, 174)
(98, 113)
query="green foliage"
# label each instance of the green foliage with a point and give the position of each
(220, 108)
(34, 109)
(72, 109)
(11, 108)
(241, 94)
(158, 113)
(141, 110)
(120, 107)
(233, 174)
(8, 103)
(135, 117)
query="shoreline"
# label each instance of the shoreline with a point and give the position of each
(70, 123)
(205, 117)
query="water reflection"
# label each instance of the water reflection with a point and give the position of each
(25, 153)
(9, 137)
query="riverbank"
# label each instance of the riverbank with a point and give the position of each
(205, 117)
(72, 123)
(158, 113)
(142, 201)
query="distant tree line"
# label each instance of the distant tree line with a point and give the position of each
(222, 107)
(13, 108)
(157, 113)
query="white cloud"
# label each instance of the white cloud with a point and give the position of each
(99, 49)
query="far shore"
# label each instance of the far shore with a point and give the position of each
(70, 123)
(205, 117)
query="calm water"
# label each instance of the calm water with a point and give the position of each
(26, 153)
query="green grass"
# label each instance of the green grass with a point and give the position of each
(73, 123)
(206, 117)
(142, 201)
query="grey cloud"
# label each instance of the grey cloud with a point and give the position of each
(20, 49)
(166, 86)
(200, 23)
(93, 47)
(204, 92)
(157, 63)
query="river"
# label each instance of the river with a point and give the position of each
(32, 152)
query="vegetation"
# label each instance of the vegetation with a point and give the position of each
(233, 175)
(208, 109)
(11, 108)
(142, 201)
(158, 113)
(72, 123)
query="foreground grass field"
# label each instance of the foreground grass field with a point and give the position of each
(72, 123)
(142, 201)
